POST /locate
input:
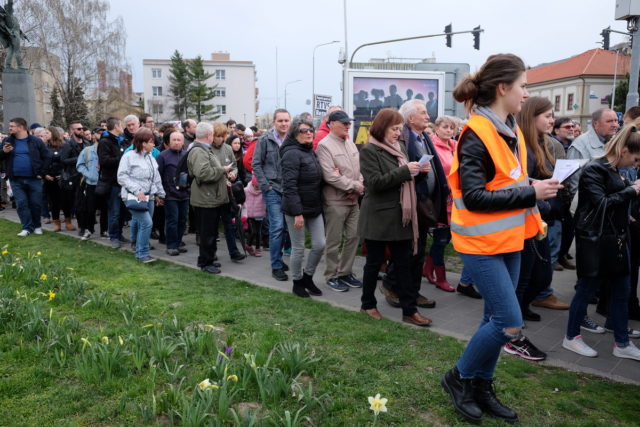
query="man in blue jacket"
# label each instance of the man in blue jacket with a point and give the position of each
(26, 158)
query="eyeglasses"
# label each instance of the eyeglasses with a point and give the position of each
(567, 126)
(306, 130)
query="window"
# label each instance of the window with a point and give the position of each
(156, 73)
(220, 75)
(222, 109)
(46, 87)
(157, 90)
(556, 104)
(47, 108)
(156, 109)
(220, 92)
(570, 101)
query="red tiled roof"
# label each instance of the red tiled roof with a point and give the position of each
(592, 62)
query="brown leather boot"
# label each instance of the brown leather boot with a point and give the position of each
(441, 279)
(56, 225)
(427, 270)
(68, 224)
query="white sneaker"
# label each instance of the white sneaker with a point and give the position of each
(578, 346)
(86, 235)
(37, 231)
(628, 352)
(633, 333)
(23, 233)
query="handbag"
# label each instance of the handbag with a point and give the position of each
(132, 203)
(103, 187)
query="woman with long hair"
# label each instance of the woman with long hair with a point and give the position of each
(55, 198)
(494, 211)
(388, 215)
(141, 187)
(602, 244)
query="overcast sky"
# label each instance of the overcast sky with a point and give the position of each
(537, 30)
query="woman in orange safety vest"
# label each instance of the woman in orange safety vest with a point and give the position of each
(494, 211)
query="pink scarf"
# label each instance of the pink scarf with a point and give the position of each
(407, 190)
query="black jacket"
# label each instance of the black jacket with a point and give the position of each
(477, 168)
(38, 153)
(109, 154)
(55, 166)
(69, 156)
(301, 179)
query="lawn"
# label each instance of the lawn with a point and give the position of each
(88, 336)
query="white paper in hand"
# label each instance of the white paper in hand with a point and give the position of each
(564, 168)
(423, 161)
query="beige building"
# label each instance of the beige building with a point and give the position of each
(45, 69)
(579, 85)
(236, 93)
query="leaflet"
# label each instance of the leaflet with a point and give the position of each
(423, 161)
(564, 168)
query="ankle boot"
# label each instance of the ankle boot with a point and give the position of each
(441, 279)
(298, 288)
(485, 396)
(461, 391)
(309, 285)
(427, 270)
(56, 225)
(68, 224)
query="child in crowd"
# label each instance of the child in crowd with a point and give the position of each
(255, 212)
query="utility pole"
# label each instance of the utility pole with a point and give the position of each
(632, 95)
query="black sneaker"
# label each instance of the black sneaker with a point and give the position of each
(468, 291)
(182, 250)
(350, 281)
(211, 269)
(337, 285)
(238, 257)
(285, 267)
(279, 274)
(173, 252)
(525, 349)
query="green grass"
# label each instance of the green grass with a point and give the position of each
(359, 356)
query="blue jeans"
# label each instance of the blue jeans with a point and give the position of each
(175, 212)
(229, 230)
(113, 206)
(143, 223)
(28, 195)
(554, 235)
(618, 318)
(273, 202)
(496, 277)
(465, 276)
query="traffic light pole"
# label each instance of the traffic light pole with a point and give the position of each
(632, 95)
(478, 30)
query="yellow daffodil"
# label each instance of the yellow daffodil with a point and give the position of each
(43, 276)
(55, 278)
(207, 385)
(38, 253)
(51, 295)
(209, 327)
(120, 340)
(85, 342)
(5, 252)
(378, 404)
(105, 339)
(233, 378)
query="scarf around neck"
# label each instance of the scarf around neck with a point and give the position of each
(407, 190)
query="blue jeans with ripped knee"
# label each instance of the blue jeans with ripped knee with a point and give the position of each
(496, 277)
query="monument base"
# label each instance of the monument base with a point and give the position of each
(19, 98)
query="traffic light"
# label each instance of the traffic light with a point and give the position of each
(605, 37)
(447, 31)
(476, 38)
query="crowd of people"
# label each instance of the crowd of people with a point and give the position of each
(485, 184)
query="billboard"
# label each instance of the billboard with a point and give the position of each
(371, 91)
(321, 104)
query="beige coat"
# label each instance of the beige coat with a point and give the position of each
(334, 153)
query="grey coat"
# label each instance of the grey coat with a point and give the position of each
(380, 212)
(586, 147)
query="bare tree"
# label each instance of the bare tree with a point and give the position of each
(80, 34)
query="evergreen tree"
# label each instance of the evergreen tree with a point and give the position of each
(622, 88)
(179, 85)
(199, 92)
(75, 107)
(57, 119)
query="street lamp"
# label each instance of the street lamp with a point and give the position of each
(313, 72)
(285, 91)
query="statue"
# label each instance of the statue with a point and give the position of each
(11, 35)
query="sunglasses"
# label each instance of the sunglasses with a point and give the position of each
(307, 130)
(567, 126)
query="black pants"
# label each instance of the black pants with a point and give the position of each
(568, 231)
(400, 255)
(58, 199)
(159, 223)
(255, 230)
(536, 271)
(101, 205)
(86, 207)
(207, 220)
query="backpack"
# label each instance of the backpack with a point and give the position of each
(183, 179)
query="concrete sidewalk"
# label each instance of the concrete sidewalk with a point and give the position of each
(454, 315)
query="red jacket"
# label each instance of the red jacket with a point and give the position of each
(248, 156)
(323, 130)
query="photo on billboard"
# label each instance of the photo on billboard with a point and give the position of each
(371, 91)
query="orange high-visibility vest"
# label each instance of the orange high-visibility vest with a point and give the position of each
(503, 231)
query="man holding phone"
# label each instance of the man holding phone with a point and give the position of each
(26, 158)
